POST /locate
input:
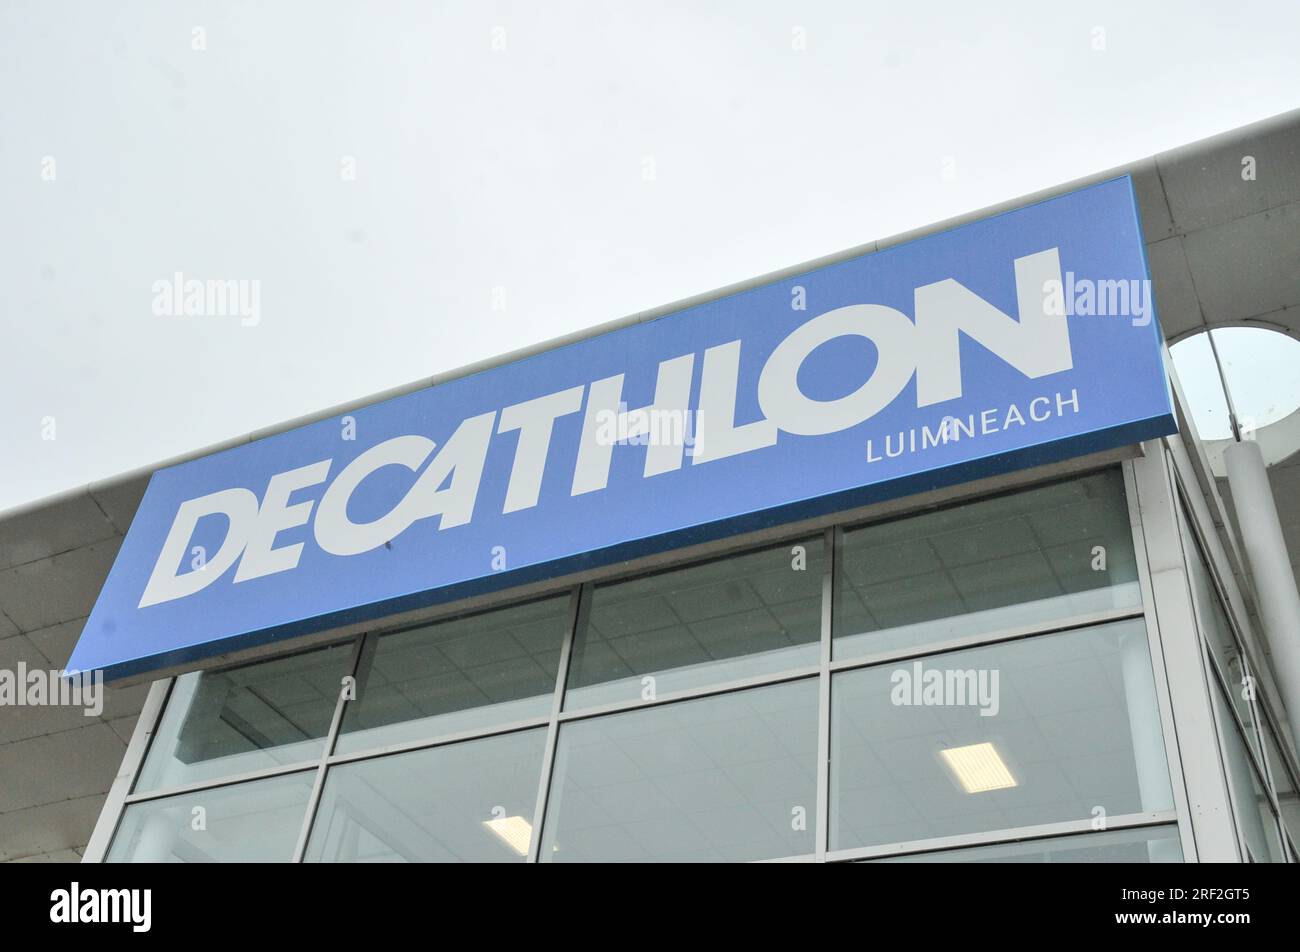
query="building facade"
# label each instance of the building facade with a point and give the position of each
(1072, 653)
(791, 698)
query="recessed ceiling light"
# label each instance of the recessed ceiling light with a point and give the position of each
(514, 831)
(978, 768)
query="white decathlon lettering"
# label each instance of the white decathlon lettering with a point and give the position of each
(778, 387)
(239, 506)
(604, 397)
(461, 460)
(276, 515)
(336, 533)
(446, 479)
(459, 464)
(716, 433)
(1036, 345)
(535, 420)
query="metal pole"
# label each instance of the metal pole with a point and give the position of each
(1261, 535)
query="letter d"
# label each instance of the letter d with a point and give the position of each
(240, 505)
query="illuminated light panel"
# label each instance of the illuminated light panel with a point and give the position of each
(978, 767)
(514, 831)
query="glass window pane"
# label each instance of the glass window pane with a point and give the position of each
(267, 714)
(1045, 553)
(725, 778)
(461, 674)
(1284, 787)
(736, 617)
(1151, 845)
(469, 802)
(1219, 637)
(1039, 730)
(1259, 831)
(254, 822)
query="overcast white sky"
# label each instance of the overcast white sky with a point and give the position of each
(523, 169)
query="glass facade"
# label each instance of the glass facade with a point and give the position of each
(1259, 781)
(1284, 786)
(457, 675)
(1034, 731)
(466, 802)
(254, 717)
(746, 616)
(973, 683)
(257, 821)
(1256, 822)
(991, 565)
(727, 777)
(1226, 657)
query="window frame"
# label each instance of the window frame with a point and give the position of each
(831, 527)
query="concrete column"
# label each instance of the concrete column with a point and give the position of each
(1275, 589)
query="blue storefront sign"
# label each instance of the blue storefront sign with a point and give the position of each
(1021, 339)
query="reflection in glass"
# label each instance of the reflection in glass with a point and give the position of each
(733, 618)
(1050, 552)
(470, 802)
(1219, 636)
(267, 714)
(461, 674)
(1255, 818)
(725, 778)
(1146, 845)
(1039, 730)
(254, 822)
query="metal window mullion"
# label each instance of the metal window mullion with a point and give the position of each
(331, 737)
(1256, 756)
(110, 815)
(822, 827)
(1257, 762)
(1265, 766)
(1173, 627)
(1271, 721)
(1236, 809)
(997, 636)
(1197, 548)
(692, 694)
(1235, 599)
(225, 780)
(1159, 665)
(1259, 702)
(437, 740)
(1002, 636)
(1018, 834)
(576, 601)
(1233, 419)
